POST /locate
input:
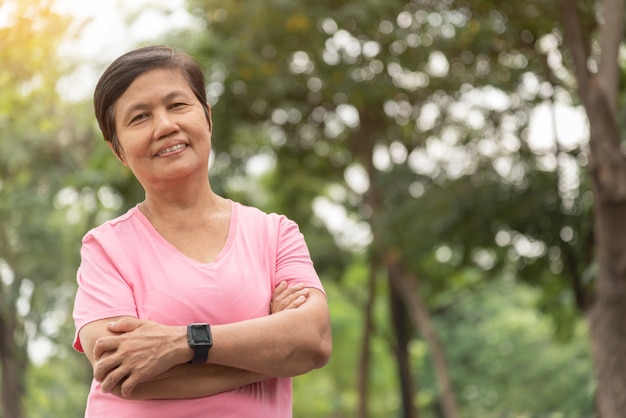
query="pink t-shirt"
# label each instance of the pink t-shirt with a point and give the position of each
(127, 268)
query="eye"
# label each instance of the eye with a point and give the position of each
(178, 106)
(138, 118)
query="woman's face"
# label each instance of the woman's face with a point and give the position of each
(162, 129)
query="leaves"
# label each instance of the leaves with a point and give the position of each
(443, 93)
(429, 102)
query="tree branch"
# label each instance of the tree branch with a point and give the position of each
(405, 283)
(575, 40)
(610, 35)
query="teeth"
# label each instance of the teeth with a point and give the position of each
(172, 148)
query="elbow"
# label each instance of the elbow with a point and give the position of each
(321, 346)
(324, 353)
(313, 340)
(321, 351)
(314, 354)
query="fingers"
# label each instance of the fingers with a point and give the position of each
(104, 345)
(288, 297)
(124, 325)
(299, 301)
(105, 365)
(120, 382)
(112, 379)
(130, 358)
(119, 374)
(282, 286)
(128, 391)
(128, 385)
(120, 326)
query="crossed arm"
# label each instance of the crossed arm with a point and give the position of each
(139, 359)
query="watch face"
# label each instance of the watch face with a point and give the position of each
(200, 335)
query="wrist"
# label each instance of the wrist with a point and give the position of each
(184, 350)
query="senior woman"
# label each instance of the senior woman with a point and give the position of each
(190, 304)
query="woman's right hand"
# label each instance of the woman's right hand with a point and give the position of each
(288, 297)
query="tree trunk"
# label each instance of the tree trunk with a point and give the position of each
(607, 165)
(13, 368)
(406, 285)
(364, 362)
(398, 319)
(608, 314)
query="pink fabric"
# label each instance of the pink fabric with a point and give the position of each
(127, 268)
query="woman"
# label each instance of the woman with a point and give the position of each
(189, 305)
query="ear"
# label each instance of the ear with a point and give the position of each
(208, 116)
(119, 156)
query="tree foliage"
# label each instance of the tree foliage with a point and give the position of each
(429, 105)
(399, 134)
(41, 144)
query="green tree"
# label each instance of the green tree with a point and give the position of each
(599, 70)
(429, 102)
(410, 121)
(36, 261)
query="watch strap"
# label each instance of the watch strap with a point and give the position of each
(200, 341)
(200, 356)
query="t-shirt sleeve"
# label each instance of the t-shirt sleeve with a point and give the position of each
(102, 291)
(293, 260)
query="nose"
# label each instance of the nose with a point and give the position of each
(164, 124)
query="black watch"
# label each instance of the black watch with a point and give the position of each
(200, 340)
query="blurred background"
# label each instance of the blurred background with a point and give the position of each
(434, 153)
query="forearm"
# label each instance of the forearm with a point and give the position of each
(187, 381)
(289, 343)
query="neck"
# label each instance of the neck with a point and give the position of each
(181, 207)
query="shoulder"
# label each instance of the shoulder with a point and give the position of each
(115, 227)
(273, 226)
(256, 216)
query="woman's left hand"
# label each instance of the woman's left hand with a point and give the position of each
(288, 297)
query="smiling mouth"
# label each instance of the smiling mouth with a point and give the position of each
(170, 149)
